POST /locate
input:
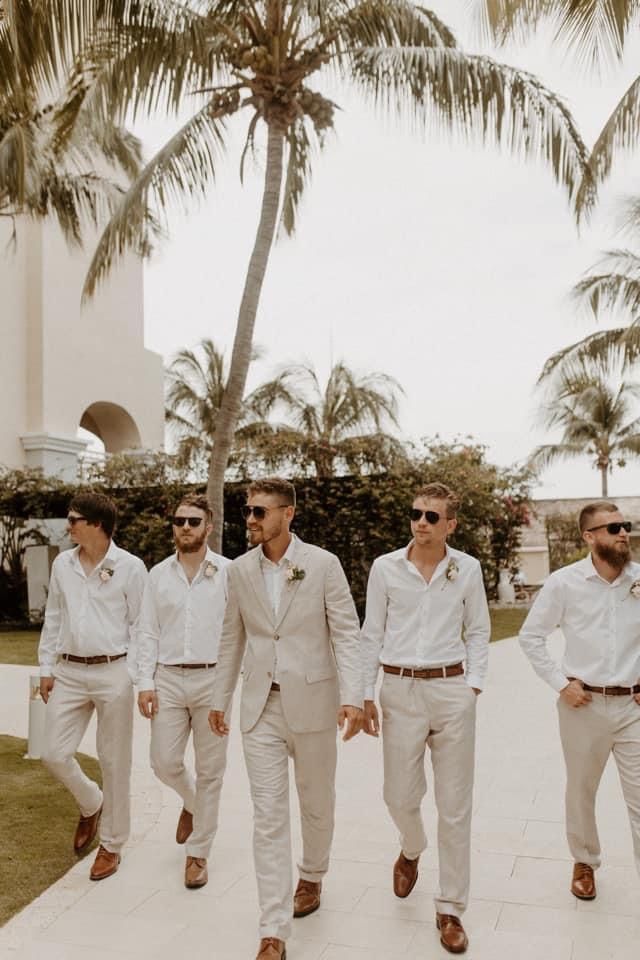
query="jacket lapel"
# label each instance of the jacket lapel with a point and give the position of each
(256, 580)
(291, 587)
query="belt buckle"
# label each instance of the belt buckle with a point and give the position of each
(444, 673)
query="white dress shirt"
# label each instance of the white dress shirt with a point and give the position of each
(412, 623)
(89, 616)
(181, 622)
(600, 622)
(274, 576)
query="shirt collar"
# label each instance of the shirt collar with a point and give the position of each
(590, 571)
(109, 558)
(287, 557)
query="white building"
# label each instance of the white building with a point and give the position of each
(63, 366)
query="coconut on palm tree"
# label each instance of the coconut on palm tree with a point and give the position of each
(596, 410)
(269, 59)
(336, 428)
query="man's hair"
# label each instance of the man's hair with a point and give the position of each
(97, 509)
(274, 485)
(438, 491)
(199, 501)
(588, 513)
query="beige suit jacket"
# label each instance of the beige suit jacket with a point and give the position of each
(316, 633)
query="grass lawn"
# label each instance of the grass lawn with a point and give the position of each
(507, 622)
(38, 817)
(19, 646)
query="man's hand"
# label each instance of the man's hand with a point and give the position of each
(636, 697)
(148, 703)
(217, 724)
(477, 691)
(574, 694)
(46, 686)
(371, 724)
(349, 720)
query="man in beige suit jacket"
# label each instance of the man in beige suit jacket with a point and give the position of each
(291, 616)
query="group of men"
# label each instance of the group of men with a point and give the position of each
(283, 615)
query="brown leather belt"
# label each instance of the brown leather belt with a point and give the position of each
(425, 673)
(189, 666)
(276, 687)
(103, 658)
(613, 691)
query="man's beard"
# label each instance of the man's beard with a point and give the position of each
(191, 546)
(616, 555)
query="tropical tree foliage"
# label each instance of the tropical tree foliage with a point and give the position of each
(595, 409)
(598, 31)
(268, 59)
(50, 144)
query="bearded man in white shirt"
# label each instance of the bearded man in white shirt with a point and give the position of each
(90, 622)
(177, 650)
(596, 604)
(426, 613)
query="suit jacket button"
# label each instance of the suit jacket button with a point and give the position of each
(276, 636)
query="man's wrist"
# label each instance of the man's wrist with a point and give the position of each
(145, 685)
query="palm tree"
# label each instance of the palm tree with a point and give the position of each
(268, 58)
(49, 144)
(336, 427)
(598, 31)
(594, 408)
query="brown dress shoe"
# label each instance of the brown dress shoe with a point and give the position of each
(86, 831)
(583, 884)
(306, 898)
(185, 826)
(405, 874)
(195, 872)
(452, 935)
(272, 949)
(105, 864)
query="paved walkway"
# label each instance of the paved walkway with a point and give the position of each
(521, 907)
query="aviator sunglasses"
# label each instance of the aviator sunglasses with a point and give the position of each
(259, 512)
(430, 515)
(612, 528)
(192, 521)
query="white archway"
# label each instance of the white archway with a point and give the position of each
(112, 424)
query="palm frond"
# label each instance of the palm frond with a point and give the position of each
(613, 284)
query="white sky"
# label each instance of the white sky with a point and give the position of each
(445, 265)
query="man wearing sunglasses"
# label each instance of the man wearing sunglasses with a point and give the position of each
(90, 623)
(177, 650)
(291, 616)
(596, 604)
(426, 613)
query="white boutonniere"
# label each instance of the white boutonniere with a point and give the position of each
(105, 573)
(210, 569)
(634, 589)
(452, 572)
(295, 573)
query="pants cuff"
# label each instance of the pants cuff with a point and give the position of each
(201, 850)
(448, 908)
(282, 931)
(312, 876)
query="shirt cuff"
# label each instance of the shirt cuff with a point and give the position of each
(474, 681)
(145, 683)
(370, 692)
(47, 669)
(558, 680)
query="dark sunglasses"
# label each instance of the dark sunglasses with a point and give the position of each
(260, 512)
(192, 521)
(430, 515)
(613, 528)
(73, 520)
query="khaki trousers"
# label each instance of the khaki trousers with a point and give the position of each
(589, 734)
(439, 714)
(184, 701)
(79, 689)
(267, 748)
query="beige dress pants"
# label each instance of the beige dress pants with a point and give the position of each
(589, 734)
(184, 701)
(267, 748)
(79, 689)
(439, 714)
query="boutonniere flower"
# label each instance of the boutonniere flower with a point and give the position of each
(634, 589)
(451, 573)
(105, 573)
(210, 569)
(295, 573)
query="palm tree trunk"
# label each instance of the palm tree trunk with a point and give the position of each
(243, 342)
(604, 473)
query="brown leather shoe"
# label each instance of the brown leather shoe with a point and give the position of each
(306, 899)
(272, 949)
(452, 935)
(195, 872)
(185, 826)
(583, 884)
(405, 874)
(86, 831)
(105, 864)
